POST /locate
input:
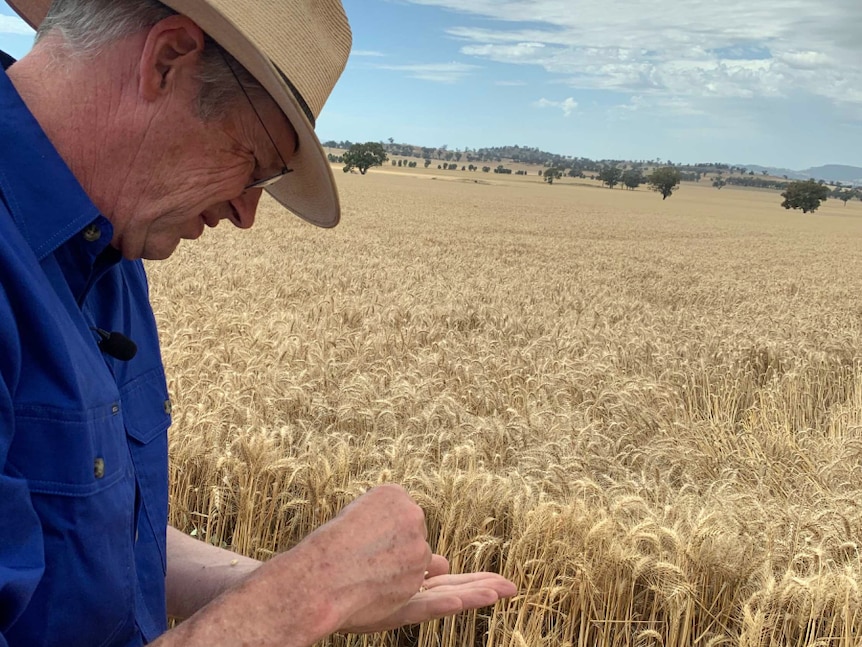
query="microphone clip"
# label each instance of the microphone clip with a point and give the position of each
(116, 345)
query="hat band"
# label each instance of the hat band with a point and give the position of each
(298, 97)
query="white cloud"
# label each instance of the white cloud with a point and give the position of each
(435, 72)
(805, 60)
(366, 52)
(510, 84)
(690, 51)
(14, 25)
(514, 53)
(568, 106)
(658, 106)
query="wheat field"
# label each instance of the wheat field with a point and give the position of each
(646, 413)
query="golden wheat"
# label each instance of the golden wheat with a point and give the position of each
(646, 413)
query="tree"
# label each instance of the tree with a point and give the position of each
(845, 195)
(364, 156)
(805, 195)
(718, 183)
(610, 175)
(665, 180)
(552, 174)
(632, 178)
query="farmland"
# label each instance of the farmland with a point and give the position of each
(646, 413)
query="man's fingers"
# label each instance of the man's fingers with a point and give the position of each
(448, 583)
(439, 565)
(424, 607)
(446, 595)
(471, 598)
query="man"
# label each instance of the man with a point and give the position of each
(131, 125)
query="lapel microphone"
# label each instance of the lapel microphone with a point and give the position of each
(116, 344)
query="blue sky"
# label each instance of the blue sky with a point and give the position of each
(771, 82)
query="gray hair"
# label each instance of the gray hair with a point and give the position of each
(87, 26)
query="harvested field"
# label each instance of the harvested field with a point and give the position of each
(646, 413)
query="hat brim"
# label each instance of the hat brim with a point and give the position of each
(309, 191)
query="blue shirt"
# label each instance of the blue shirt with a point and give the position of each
(83, 436)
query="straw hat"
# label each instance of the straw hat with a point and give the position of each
(296, 49)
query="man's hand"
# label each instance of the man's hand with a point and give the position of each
(405, 583)
(369, 569)
(373, 556)
(443, 595)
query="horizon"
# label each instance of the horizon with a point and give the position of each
(757, 85)
(333, 144)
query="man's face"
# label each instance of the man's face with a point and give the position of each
(198, 174)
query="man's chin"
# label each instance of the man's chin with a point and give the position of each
(159, 252)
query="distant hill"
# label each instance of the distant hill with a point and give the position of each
(829, 172)
(837, 173)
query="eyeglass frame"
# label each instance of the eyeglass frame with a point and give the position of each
(260, 184)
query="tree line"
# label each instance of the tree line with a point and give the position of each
(572, 166)
(805, 195)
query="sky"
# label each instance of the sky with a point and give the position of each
(769, 82)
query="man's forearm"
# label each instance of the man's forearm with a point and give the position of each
(276, 604)
(199, 572)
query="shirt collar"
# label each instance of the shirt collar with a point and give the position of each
(46, 201)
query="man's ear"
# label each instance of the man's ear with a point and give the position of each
(171, 52)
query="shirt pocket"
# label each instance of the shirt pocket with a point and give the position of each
(77, 468)
(147, 418)
(146, 413)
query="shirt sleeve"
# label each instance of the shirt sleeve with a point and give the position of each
(22, 561)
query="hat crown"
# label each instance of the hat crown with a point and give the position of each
(308, 41)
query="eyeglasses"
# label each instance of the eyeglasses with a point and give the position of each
(260, 184)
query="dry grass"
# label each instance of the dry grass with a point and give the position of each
(647, 414)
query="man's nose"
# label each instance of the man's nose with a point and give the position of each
(244, 208)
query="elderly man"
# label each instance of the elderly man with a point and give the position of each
(131, 125)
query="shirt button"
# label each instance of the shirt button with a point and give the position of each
(92, 233)
(115, 408)
(168, 407)
(99, 468)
